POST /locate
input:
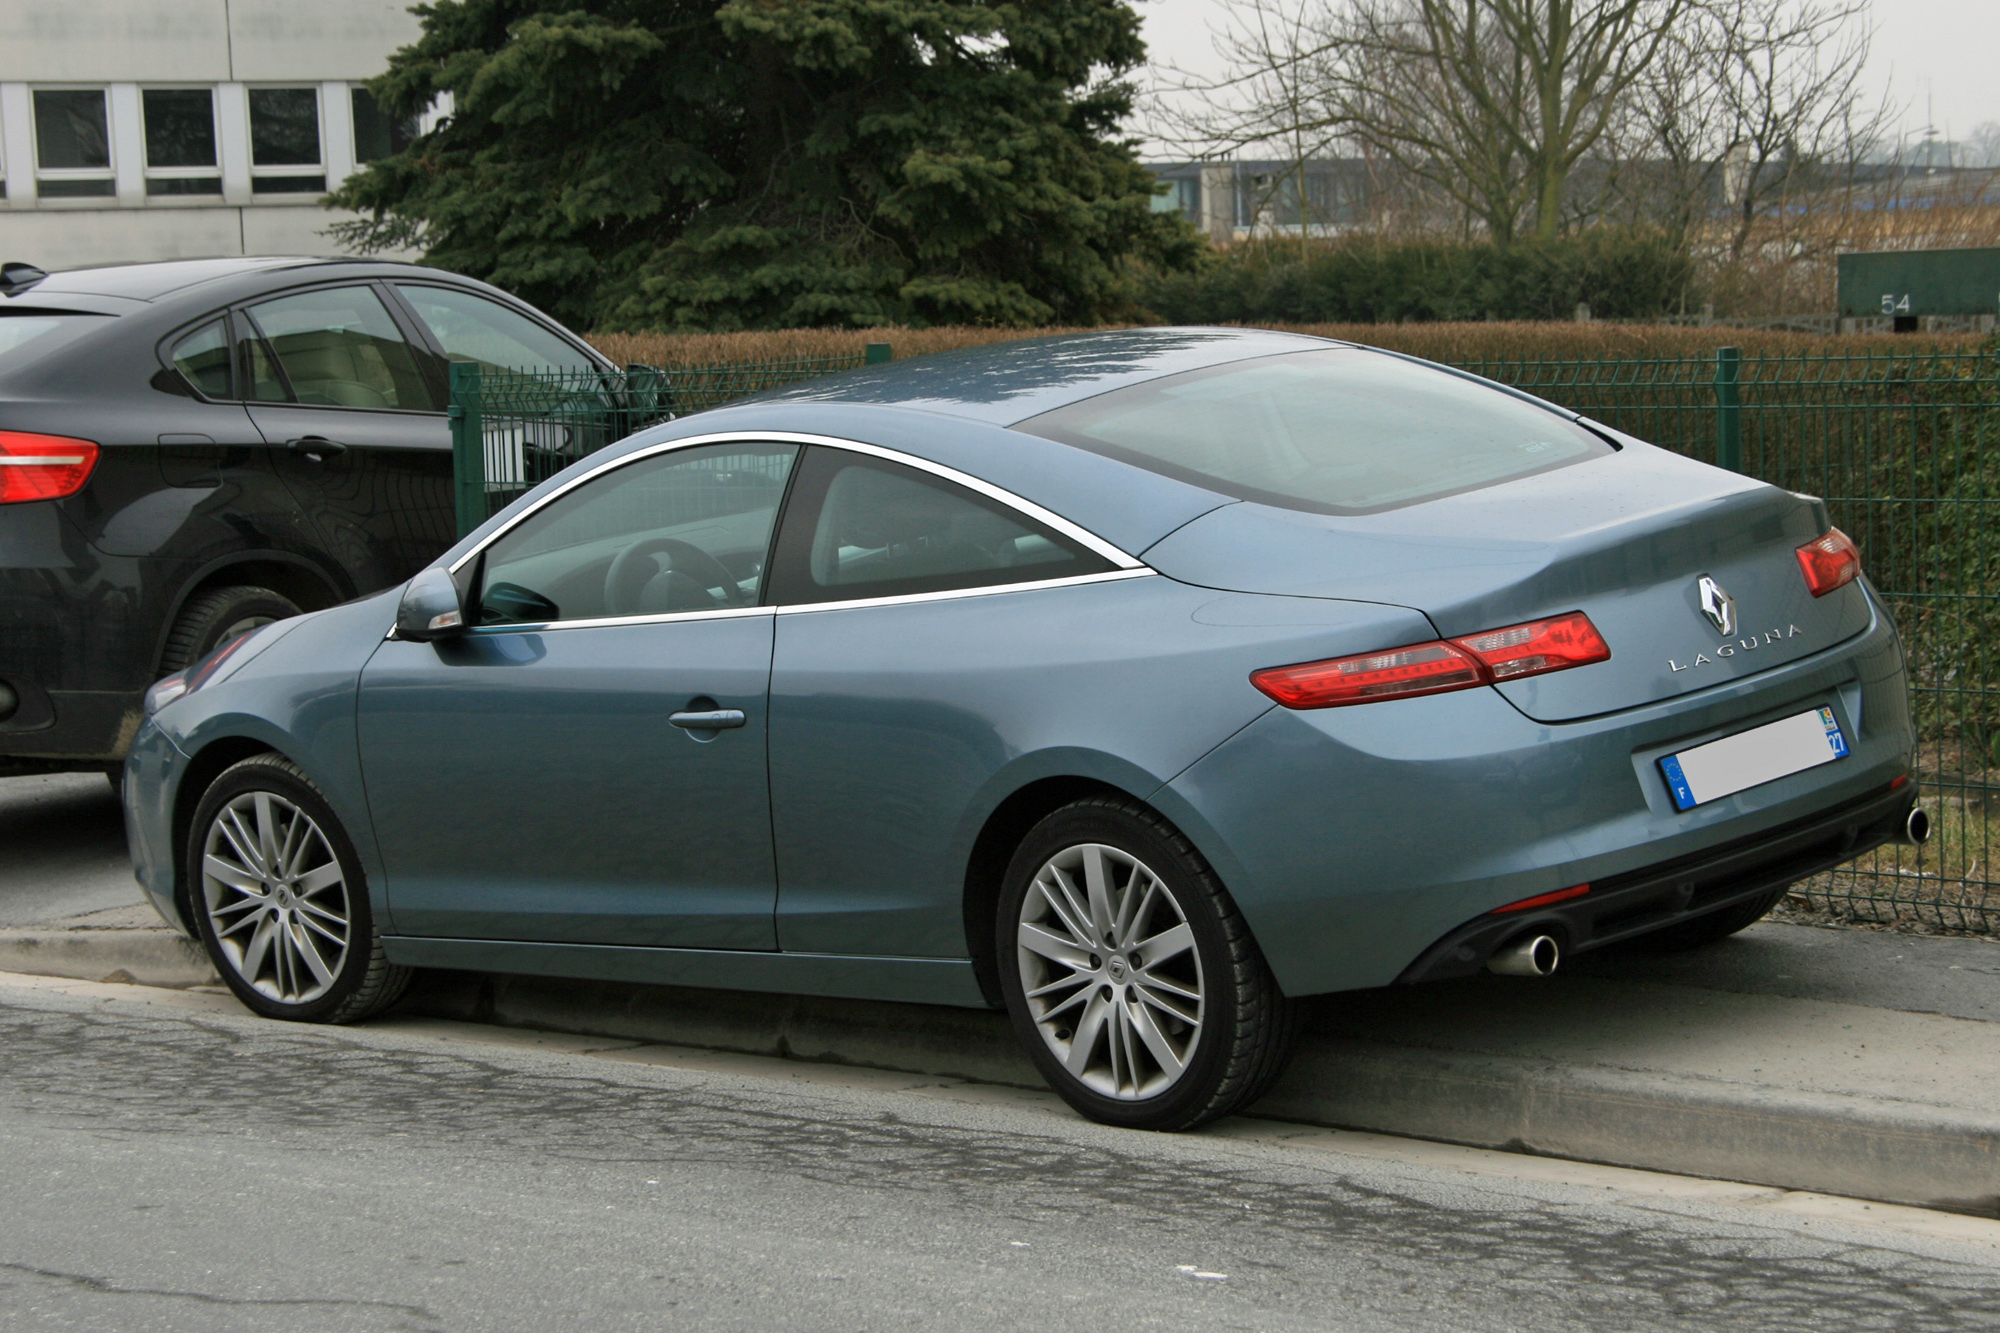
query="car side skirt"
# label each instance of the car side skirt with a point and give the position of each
(914, 980)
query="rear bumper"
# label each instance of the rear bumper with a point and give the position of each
(1354, 840)
(1640, 902)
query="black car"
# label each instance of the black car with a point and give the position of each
(189, 449)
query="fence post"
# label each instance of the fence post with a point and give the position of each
(878, 353)
(1729, 408)
(468, 447)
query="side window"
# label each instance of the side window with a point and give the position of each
(203, 356)
(339, 348)
(683, 531)
(862, 527)
(472, 328)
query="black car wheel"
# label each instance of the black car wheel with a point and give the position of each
(1131, 977)
(213, 618)
(280, 899)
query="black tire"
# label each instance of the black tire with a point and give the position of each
(360, 980)
(1243, 1028)
(210, 619)
(1715, 926)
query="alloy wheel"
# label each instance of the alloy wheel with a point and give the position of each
(1110, 971)
(276, 897)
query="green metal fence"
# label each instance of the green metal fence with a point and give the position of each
(1904, 448)
(512, 429)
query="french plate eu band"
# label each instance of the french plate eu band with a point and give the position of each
(1751, 758)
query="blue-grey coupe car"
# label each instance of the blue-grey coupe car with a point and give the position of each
(1141, 683)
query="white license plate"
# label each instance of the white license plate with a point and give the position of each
(1752, 758)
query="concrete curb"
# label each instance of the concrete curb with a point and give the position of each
(1871, 1148)
(1898, 1152)
(147, 957)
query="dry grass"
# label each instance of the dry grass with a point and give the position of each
(1438, 342)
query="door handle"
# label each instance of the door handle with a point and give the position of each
(714, 719)
(316, 447)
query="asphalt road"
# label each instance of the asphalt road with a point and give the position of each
(172, 1163)
(64, 841)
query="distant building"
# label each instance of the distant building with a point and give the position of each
(1238, 200)
(165, 129)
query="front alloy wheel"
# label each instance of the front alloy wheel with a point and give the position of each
(1131, 977)
(280, 900)
(276, 898)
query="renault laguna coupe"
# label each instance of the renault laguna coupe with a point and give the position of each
(1139, 683)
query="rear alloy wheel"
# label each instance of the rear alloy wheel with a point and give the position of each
(1130, 976)
(213, 618)
(280, 900)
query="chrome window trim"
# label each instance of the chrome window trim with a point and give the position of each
(912, 598)
(603, 622)
(1089, 540)
(806, 608)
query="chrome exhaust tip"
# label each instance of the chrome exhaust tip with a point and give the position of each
(1916, 828)
(1535, 956)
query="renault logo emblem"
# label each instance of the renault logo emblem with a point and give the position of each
(1717, 605)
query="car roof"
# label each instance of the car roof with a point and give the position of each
(152, 281)
(1004, 383)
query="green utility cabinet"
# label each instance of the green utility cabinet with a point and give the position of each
(1909, 284)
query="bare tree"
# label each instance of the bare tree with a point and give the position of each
(1788, 80)
(1982, 146)
(1492, 103)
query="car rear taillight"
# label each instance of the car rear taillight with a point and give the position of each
(1831, 562)
(42, 467)
(1494, 655)
(1422, 668)
(1538, 646)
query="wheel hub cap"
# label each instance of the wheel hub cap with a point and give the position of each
(1110, 973)
(275, 897)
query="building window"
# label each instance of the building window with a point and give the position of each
(377, 134)
(180, 141)
(284, 142)
(72, 144)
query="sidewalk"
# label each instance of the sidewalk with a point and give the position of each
(1845, 1062)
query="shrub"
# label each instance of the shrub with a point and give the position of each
(1619, 274)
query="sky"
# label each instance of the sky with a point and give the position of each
(1935, 58)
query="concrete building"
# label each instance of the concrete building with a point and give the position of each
(168, 129)
(1233, 201)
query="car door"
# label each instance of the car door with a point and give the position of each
(888, 657)
(587, 764)
(211, 486)
(357, 425)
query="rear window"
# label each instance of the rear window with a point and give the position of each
(26, 335)
(1339, 431)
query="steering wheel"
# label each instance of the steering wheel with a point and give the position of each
(634, 568)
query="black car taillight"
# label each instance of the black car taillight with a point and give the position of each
(42, 467)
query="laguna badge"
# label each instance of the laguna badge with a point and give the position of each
(1720, 608)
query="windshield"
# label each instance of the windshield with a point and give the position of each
(26, 335)
(1342, 431)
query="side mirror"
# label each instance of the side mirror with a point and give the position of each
(430, 608)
